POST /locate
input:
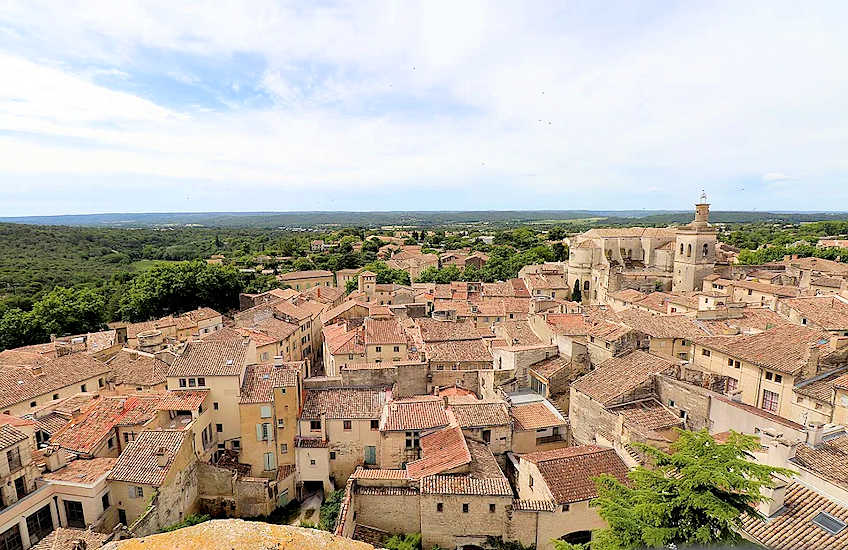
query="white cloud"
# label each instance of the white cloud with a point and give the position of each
(776, 177)
(447, 95)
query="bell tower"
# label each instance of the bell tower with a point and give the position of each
(694, 251)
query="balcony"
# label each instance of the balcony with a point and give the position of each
(555, 438)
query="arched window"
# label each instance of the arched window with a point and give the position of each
(585, 285)
(681, 249)
(706, 249)
(688, 250)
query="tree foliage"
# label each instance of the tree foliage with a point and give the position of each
(404, 542)
(576, 292)
(329, 512)
(697, 494)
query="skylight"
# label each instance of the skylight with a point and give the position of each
(832, 525)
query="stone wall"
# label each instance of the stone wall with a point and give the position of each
(680, 396)
(451, 526)
(393, 511)
(411, 379)
(468, 379)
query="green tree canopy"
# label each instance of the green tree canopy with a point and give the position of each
(697, 494)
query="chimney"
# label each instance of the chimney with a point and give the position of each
(37, 370)
(161, 457)
(278, 360)
(811, 361)
(838, 342)
(779, 452)
(773, 497)
(815, 432)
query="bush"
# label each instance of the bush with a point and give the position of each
(404, 542)
(188, 521)
(329, 512)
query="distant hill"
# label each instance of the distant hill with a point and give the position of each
(419, 218)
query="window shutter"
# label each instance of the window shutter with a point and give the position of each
(259, 432)
(132, 491)
(266, 412)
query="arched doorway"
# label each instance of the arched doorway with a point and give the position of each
(577, 537)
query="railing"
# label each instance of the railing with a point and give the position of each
(549, 439)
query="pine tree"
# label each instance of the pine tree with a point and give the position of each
(576, 295)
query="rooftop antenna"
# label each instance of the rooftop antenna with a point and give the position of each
(703, 197)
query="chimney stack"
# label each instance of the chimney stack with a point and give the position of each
(774, 497)
(815, 433)
(161, 457)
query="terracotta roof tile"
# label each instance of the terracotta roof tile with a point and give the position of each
(433, 330)
(260, 381)
(479, 414)
(649, 415)
(21, 383)
(793, 528)
(570, 472)
(85, 432)
(828, 459)
(383, 332)
(344, 403)
(309, 274)
(620, 375)
(82, 470)
(441, 451)
(182, 400)
(139, 462)
(551, 366)
(784, 349)
(205, 358)
(137, 368)
(536, 415)
(827, 312)
(9, 435)
(461, 350)
(418, 413)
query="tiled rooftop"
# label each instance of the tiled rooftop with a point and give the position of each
(82, 471)
(139, 463)
(827, 312)
(480, 414)
(205, 358)
(21, 383)
(828, 459)
(260, 381)
(784, 349)
(536, 415)
(9, 435)
(793, 529)
(464, 350)
(619, 375)
(344, 403)
(136, 368)
(86, 431)
(441, 451)
(570, 472)
(418, 413)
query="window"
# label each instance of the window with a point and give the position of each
(265, 412)
(370, 455)
(750, 292)
(284, 448)
(737, 364)
(126, 438)
(136, 491)
(396, 349)
(314, 425)
(219, 428)
(565, 507)
(100, 382)
(586, 285)
(201, 382)
(705, 352)
(730, 362)
(348, 425)
(706, 250)
(770, 401)
(778, 378)
(182, 382)
(312, 462)
(732, 384)
(803, 320)
(11, 539)
(412, 440)
(55, 396)
(769, 376)
(268, 462)
(110, 443)
(265, 356)
(14, 458)
(688, 250)
(375, 424)
(379, 349)
(440, 507)
(263, 432)
(671, 402)
(491, 508)
(215, 405)
(236, 444)
(82, 388)
(332, 455)
(192, 382)
(281, 423)
(681, 249)
(39, 525)
(531, 482)
(465, 508)
(104, 500)
(832, 525)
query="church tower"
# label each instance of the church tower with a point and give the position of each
(694, 251)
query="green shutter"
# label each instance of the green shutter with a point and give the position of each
(259, 432)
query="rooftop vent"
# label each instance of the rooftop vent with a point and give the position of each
(229, 362)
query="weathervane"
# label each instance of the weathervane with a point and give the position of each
(703, 197)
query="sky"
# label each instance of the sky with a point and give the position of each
(120, 106)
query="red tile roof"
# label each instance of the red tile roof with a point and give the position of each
(383, 332)
(344, 403)
(479, 414)
(139, 462)
(441, 451)
(21, 383)
(84, 433)
(10, 435)
(82, 471)
(182, 400)
(260, 381)
(137, 369)
(417, 413)
(464, 350)
(532, 416)
(570, 472)
(620, 375)
(210, 358)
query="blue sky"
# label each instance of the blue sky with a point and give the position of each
(162, 106)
